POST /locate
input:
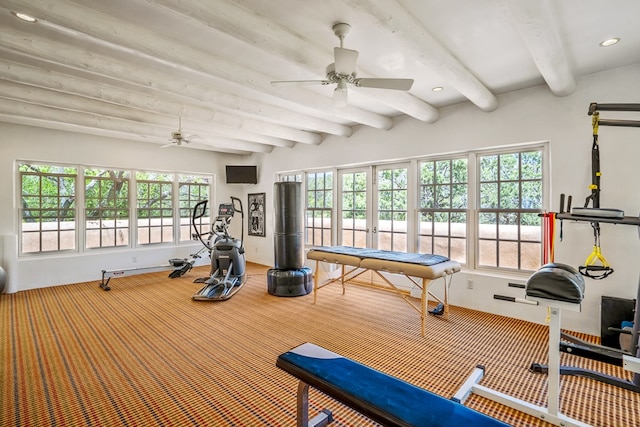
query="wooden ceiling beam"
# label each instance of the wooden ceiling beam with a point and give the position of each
(535, 24)
(395, 19)
(277, 41)
(70, 102)
(126, 129)
(89, 27)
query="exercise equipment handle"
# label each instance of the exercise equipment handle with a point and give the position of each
(237, 206)
(199, 211)
(594, 106)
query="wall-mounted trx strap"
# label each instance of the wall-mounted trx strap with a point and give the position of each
(596, 265)
(594, 197)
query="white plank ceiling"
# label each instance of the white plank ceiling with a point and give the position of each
(133, 69)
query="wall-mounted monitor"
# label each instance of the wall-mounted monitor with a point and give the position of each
(242, 174)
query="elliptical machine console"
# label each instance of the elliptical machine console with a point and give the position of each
(228, 264)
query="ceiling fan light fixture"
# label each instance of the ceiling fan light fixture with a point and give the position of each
(24, 17)
(340, 97)
(609, 42)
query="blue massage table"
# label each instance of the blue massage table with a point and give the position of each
(385, 399)
(355, 262)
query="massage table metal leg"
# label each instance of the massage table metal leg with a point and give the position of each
(316, 282)
(302, 406)
(345, 276)
(423, 311)
(446, 298)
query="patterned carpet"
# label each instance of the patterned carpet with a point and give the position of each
(145, 354)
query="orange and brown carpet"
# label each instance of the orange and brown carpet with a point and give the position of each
(145, 354)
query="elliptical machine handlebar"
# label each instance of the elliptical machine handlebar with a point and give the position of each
(200, 209)
(237, 206)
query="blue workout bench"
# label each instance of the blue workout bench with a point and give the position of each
(387, 400)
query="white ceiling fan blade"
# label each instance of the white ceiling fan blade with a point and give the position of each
(345, 60)
(396, 84)
(190, 138)
(280, 82)
(171, 144)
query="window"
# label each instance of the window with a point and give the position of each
(319, 208)
(295, 177)
(392, 209)
(155, 207)
(442, 212)
(51, 222)
(354, 226)
(48, 212)
(106, 205)
(193, 189)
(509, 201)
(479, 208)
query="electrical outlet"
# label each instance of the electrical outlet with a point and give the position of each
(469, 284)
(134, 259)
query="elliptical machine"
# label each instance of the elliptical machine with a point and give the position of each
(228, 264)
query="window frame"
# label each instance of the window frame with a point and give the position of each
(479, 210)
(58, 230)
(80, 229)
(186, 205)
(414, 210)
(434, 210)
(393, 233)
(326, 235)
(101, 228)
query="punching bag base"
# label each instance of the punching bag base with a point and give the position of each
(290, 283)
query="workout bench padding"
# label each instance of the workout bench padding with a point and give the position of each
(381, 397)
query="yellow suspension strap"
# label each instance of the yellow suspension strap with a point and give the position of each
(591, 268)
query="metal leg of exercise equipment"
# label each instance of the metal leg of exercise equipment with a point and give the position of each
(551, 413)
(577, 347)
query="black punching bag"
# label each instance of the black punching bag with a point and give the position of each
(288, 226)
(289, 278)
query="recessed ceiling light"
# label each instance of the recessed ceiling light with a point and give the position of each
(437, 89)
(24, 17)
(609, 42)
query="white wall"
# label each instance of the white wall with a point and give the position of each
(522, 116)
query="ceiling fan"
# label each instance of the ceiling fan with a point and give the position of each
(178, 137)
(343, 71)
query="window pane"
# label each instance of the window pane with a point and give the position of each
(508, 255)
(489, 196)
(48, 210)
(532, 195)
(106, 208)
(509, 167)
(488, 168)
(488, 226)
(193, 189)
(392, 209)
(354, 209)
(509, 195)
(319, 208)
(154, 207)
(512, 201)
(487, 256)
(441, 205)
(532, 165)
